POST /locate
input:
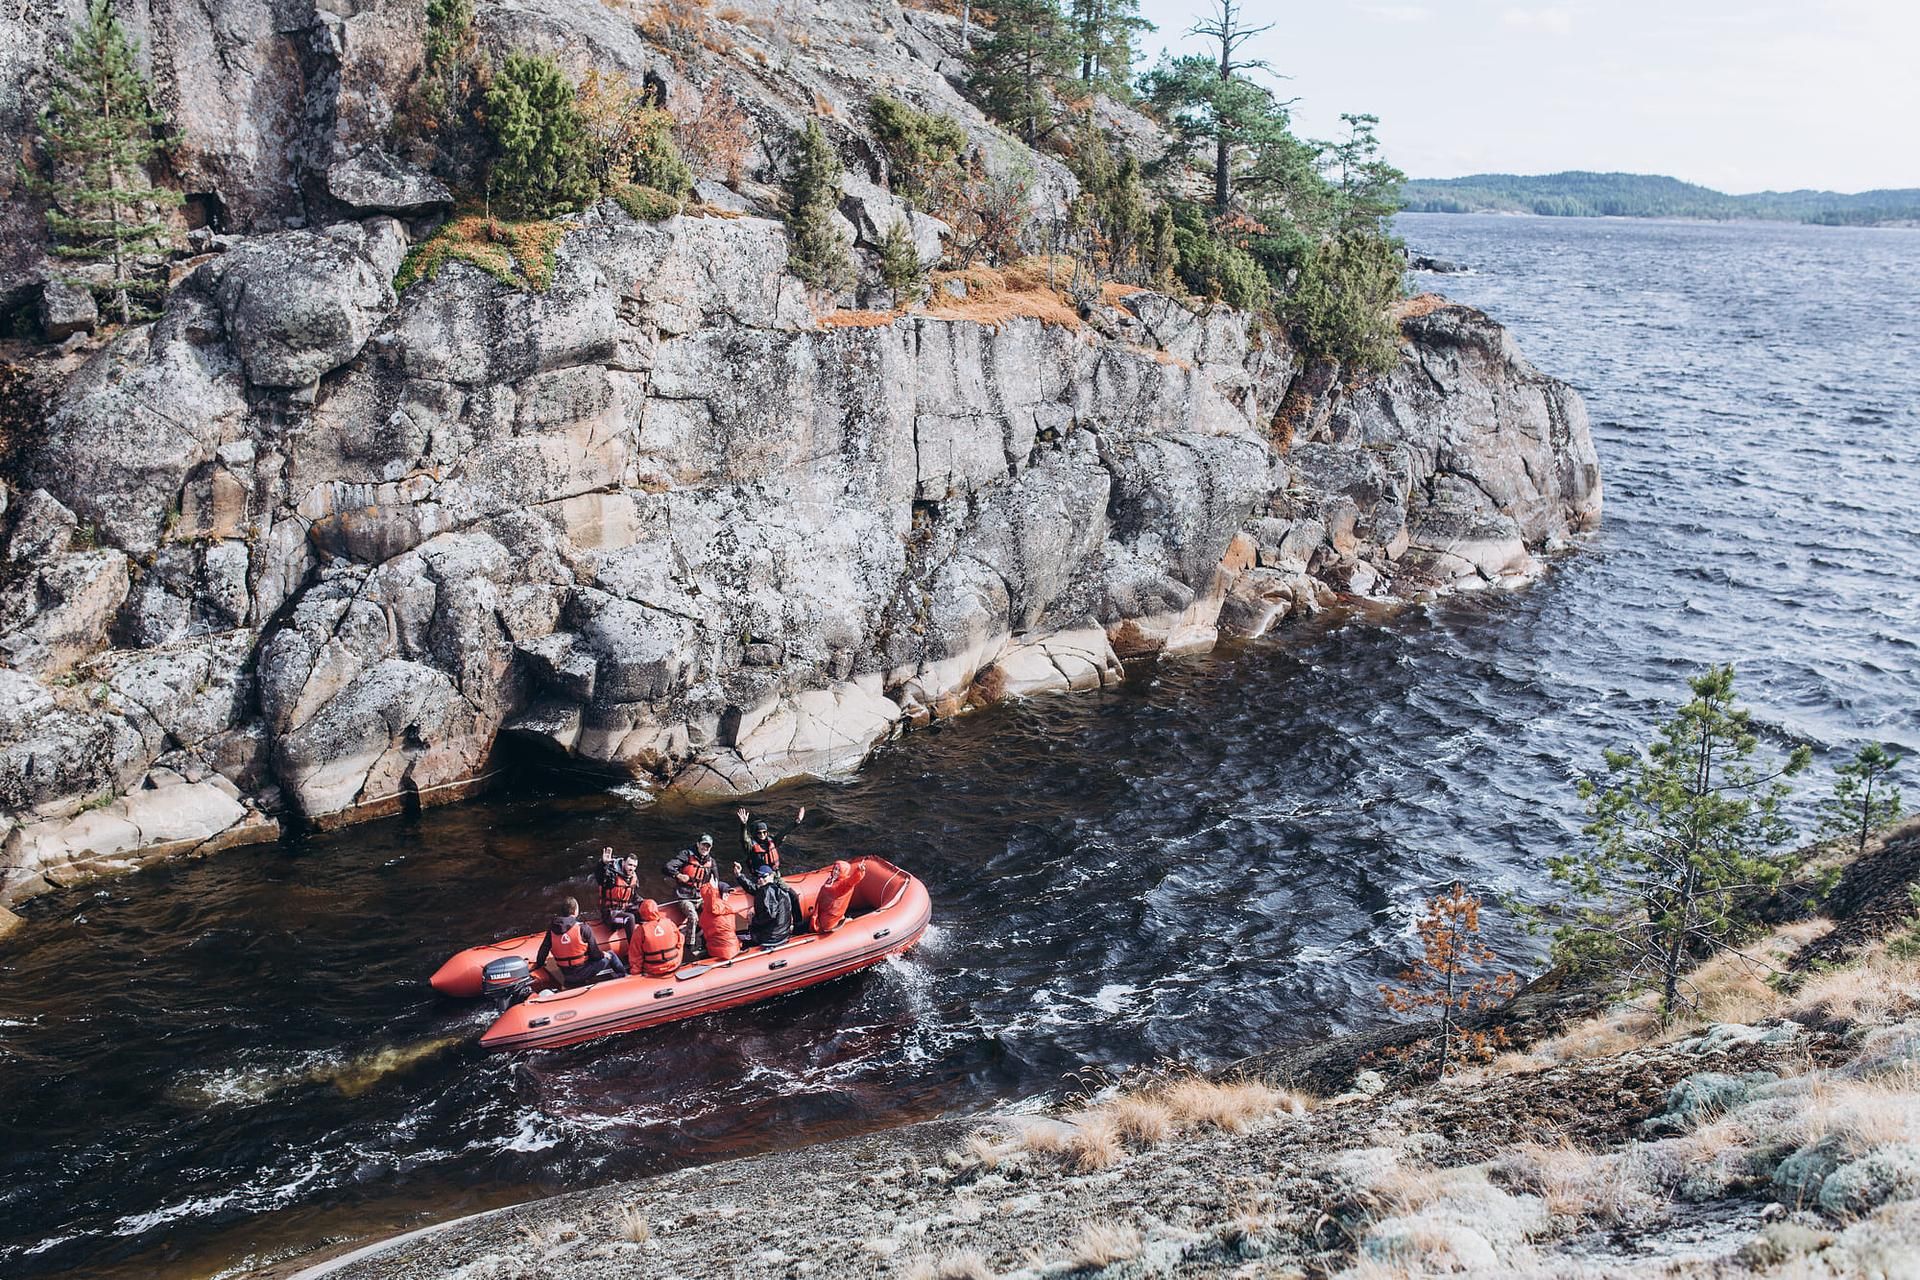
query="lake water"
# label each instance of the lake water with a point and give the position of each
(212, 1064)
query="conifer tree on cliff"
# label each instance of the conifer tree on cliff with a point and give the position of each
(817, 249)
(539, 139)
(1018, 67)
(1212, 102)
(100, 132)
(1104, 32)
(1681, 831)
(1865, 796)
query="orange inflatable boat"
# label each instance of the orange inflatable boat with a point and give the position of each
(888, 913)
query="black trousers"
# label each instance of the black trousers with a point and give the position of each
(608, 965)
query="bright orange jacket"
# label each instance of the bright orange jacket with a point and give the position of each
(830, 907)
(657, 944)
(719, 923)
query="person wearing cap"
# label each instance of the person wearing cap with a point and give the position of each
(776, 907)
(759, 843)
(690, 869)
(619, 881)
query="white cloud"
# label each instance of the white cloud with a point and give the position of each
(1557, 22)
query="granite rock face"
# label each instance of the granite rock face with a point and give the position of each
(657, 522)
(307, 548)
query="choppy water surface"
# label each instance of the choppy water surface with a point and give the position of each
(209, 1064)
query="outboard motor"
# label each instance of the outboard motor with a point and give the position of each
(507, 981)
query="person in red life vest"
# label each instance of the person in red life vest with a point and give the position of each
(830, 905)
(575, 951)
(761, 845)
(657, 945)
(619, 890)
(691, 870)
(719, 922)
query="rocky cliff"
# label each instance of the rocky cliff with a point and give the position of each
(305, 548)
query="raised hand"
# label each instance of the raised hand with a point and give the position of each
(801, 816)
(606, 854)
(743, 815)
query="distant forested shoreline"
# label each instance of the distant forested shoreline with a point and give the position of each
(1632, 195)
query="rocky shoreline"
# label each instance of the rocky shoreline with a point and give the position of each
(326, 542)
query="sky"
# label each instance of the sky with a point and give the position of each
(1768, 94)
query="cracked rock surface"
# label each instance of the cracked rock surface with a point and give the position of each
(328, 550)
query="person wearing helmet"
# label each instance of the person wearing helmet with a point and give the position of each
(758, 841)
(575, 951)
(776, 907)
(619, 881)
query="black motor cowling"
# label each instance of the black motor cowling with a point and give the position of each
(507, 981)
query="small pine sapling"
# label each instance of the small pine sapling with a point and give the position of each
(900, 268)
(1864, 797)
(1452, 976)
(818, 251)
(1682, 837)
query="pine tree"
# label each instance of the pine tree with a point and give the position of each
(1104, 32)
(1017, 69)
(1864, 797)
(1451, 974)
(100, 132)
(923, 149)
(818, 251)
(900, 268)
(1210, 100)
(1682, 832)
(1368, 187)
(539, 138)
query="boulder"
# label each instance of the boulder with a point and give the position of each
(374, 180)
(59, 615)
(1060, 662)
(66, 309)
(42, 528)
(298, 305)
(1887, 1173)
(818, 733)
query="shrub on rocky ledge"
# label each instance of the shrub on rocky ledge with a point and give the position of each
(540, 165)
(819, 253)
(519, 254)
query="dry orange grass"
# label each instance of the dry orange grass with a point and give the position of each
(1731, 987)
(1113, 291)
(963, 1264)
(1413, 308)
(1232, 1106)
(1880, 988)
(857, 319)
(1095, 1143)
(1576, 1184)
(1140, 1119)
(997, 295)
